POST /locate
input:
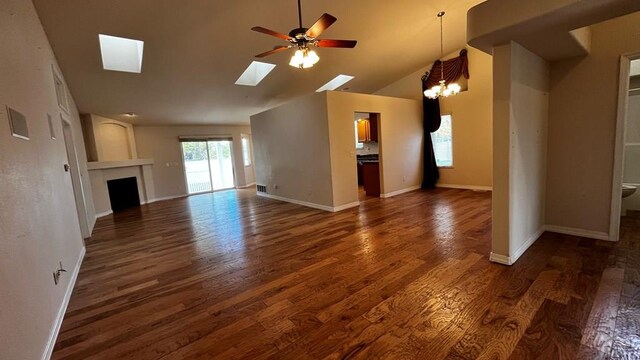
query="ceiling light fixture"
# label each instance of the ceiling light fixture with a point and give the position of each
(130, 114)
(442, 89)
(304, 58)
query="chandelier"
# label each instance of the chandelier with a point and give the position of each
(442, 89)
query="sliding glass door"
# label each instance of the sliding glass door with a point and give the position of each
(208, 165)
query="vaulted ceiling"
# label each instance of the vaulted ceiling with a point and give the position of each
(195, 50)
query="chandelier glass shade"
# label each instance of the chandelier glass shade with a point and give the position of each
(304, 58)
(442, 89)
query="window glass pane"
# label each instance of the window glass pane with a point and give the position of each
(359, 145)
(443, 142)
(246, 152)
(196, 166)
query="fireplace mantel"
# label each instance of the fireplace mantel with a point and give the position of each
(102, 171)
(97, 165)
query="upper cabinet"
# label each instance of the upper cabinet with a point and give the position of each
(367, 129)
(364, 130)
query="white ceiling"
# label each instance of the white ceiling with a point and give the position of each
(194, 51)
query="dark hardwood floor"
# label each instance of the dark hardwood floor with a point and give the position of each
(232, 275)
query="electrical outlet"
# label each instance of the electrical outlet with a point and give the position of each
(404, 178)
(275, 186)
(58, 273)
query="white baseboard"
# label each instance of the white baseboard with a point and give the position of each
(346, 206)
(532, 239)
(465, 187)
(63, 308)
(246, 186)
(309, 204)
(500, 259)
(510, 260)
(401, 191)
(577, 232)
(103, 214)
(167, 198)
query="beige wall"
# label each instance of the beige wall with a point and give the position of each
(161, 144)
(108, 139)
(582, 120)
(472, 121)
(291, 148)
(400, 145)
(520, 152)
(38, 218)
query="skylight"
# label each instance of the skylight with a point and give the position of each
(121, 54)
(254, 73)
(335, 83)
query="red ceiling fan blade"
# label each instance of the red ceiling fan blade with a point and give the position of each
(336, 43)
(321, 25)
(277, 49)
(260, 29)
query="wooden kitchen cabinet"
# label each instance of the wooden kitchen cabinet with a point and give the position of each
(371, 178)
(364, 130)
(374, 126)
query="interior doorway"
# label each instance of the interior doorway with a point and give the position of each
(367, 141)
(626, 178)
(73, 168)
(208, 165)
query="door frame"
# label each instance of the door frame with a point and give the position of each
(76, 180)
(618, 156)
(380, 151)
(206, 140)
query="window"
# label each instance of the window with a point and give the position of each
(246, 151)
(443, 142)
(61, 92)
(359, 145)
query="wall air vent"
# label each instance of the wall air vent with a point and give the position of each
(18, 124)
(262, 188)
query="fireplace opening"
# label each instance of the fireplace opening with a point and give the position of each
(123, 193)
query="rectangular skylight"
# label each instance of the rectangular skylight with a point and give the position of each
(254, 73)
(121, 54)
(335, 83)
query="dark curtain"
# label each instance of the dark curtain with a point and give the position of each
(431, 122)
(453, 69)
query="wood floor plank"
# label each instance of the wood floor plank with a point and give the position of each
(599, 331)
(233, 275)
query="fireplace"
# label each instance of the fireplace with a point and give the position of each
(123, 193)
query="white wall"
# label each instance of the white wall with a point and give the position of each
(291, 148)
(582, 121)
(521, 82)
(38, 218)
(161, 144)
(472, 120)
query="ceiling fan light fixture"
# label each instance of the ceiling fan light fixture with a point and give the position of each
(304, 58)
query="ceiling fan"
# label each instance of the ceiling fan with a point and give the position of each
(302, 38)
